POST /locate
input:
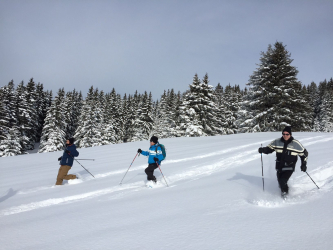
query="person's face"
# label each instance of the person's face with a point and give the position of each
(67, 142)
(286, 135)
(152, 143)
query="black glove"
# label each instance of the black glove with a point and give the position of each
(139, 151)
(260, 150)
(68, 152)
(59, 159)
(303, 167)
(155, 159)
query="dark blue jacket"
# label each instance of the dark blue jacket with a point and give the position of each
(66, 158)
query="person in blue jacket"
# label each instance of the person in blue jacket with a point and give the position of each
(155, 157)
(66, 162)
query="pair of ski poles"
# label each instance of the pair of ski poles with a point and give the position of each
(131, 165)
(262, 174)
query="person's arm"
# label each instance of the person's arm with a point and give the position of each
(145, 153)
(266, 150)
(302, 153)
(75, 153)
(304, 159)
(72, 152)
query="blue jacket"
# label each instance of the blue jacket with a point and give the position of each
(151, 153)
(66, 159)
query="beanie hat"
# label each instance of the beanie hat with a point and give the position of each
(71, 140)
(154, 139)
(287, 129)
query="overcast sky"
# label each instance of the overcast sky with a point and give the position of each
(157, 45)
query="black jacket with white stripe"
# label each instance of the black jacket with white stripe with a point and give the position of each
(286, 153)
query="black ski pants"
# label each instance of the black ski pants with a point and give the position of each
(150, 172)
(283, 177)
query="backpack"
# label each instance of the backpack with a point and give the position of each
(162, 149)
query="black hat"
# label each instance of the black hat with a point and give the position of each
(154, 139)
(71, 140)
(287, 129)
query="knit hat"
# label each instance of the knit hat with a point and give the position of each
(71, 140)
(287, 129)
(154, 139)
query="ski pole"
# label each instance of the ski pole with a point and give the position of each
(86, 159)
(162, 174)
(262, 172)
(128, 168)
(81, 165)
(311, 179)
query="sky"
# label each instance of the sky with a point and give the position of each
(158, 45)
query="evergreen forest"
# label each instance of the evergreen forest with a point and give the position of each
(272, 99)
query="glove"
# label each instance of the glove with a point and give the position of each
(303, 167)
(155, 159)
(59, 159)
(139, 151)
(68, 152)
(260, 150)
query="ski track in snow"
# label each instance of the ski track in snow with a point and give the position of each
(322, 175)
(132, 169)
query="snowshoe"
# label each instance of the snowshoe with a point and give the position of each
(150, 184)
(154, 184)
(284, 195)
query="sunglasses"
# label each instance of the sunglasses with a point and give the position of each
(286, 134)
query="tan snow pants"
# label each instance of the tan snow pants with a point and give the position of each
(63, 174)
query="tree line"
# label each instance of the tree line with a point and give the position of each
(272, 99)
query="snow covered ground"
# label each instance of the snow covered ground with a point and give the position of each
(215, 198)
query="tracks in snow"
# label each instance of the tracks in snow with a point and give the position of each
(319, 174)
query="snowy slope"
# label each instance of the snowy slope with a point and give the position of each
(215, 199)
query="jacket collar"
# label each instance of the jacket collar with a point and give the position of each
(289, 141)
(155, 145)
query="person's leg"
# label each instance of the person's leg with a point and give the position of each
(63, 170)
(70, 177)
(283, 178)
(150, 172)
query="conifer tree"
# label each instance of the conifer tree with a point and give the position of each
(53, 133)
(41, 107)
(4, 119)
(190, 124)
(199, 109)
(222, 109)
(144, 122)
(274, 98)
(10, 145)
(9, 133)
(88, 133)
(23, 117)
(313, 95)
(129, 118)
(72, 107)
(324, 119)
(160, 117)
(32, 122)
(107, 127)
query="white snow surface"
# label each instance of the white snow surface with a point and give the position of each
(215, 198)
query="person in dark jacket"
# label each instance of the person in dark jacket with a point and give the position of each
(155, 156)
(287, 149)
(66, 162)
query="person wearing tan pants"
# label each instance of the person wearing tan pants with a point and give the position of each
(63, 174)
(66, 162)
